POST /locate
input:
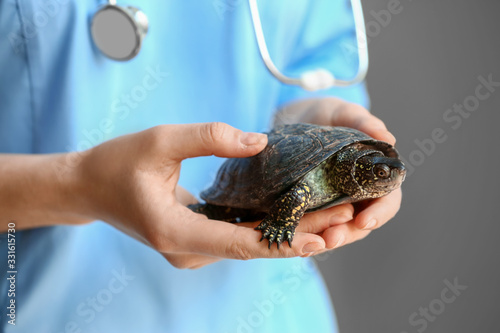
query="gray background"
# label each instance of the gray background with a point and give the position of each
(424, 61)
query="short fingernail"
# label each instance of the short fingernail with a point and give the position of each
(370, 224)
(312, 247)
(251, 138)
(340, 218)
(340, 241)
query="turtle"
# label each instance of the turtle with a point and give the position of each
(303, 168)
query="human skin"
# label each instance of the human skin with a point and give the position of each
(131, 183)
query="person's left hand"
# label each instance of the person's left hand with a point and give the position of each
(344, 224)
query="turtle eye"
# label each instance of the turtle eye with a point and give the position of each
(382, 171)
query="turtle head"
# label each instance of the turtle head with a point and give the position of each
(378, 175)
(368, 170)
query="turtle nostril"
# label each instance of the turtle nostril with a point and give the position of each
(399, 165)
(398, 173)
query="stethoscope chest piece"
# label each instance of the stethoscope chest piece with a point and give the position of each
(118, 31)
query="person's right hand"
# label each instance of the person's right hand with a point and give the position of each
(131, 183)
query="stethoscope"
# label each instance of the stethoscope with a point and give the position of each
(118, 33)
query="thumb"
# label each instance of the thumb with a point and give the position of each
(216, 138)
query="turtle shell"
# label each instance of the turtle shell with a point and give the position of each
(292, 151)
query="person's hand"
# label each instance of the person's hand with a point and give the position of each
(344, 224)
(131, 183)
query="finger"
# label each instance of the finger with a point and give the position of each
(378, 211)
(343, 234)
(219, 139)
(226, 240)
(379, 134)
(317, 222)
(357, 117)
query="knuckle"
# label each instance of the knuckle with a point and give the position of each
(156, 137)
(158, 242)
(179, 263)
(158, 131)
(213, 133)
(237, 250)
(346, 209)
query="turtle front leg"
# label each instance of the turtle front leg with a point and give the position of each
(279, 225)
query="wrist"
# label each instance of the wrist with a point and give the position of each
(72, 200)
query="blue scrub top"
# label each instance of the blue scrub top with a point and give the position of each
(199, 63)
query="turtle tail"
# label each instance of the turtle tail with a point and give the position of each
(227, 214)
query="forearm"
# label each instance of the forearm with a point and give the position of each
(40, 190)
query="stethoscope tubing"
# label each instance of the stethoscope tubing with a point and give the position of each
(363, 63)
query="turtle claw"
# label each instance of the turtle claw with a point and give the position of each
(276, 232)
(262, 226)
(279, 240)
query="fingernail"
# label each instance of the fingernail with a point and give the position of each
(340, 241)
(339, 219)
(370, 224)
(312, 247)
(251, 138)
